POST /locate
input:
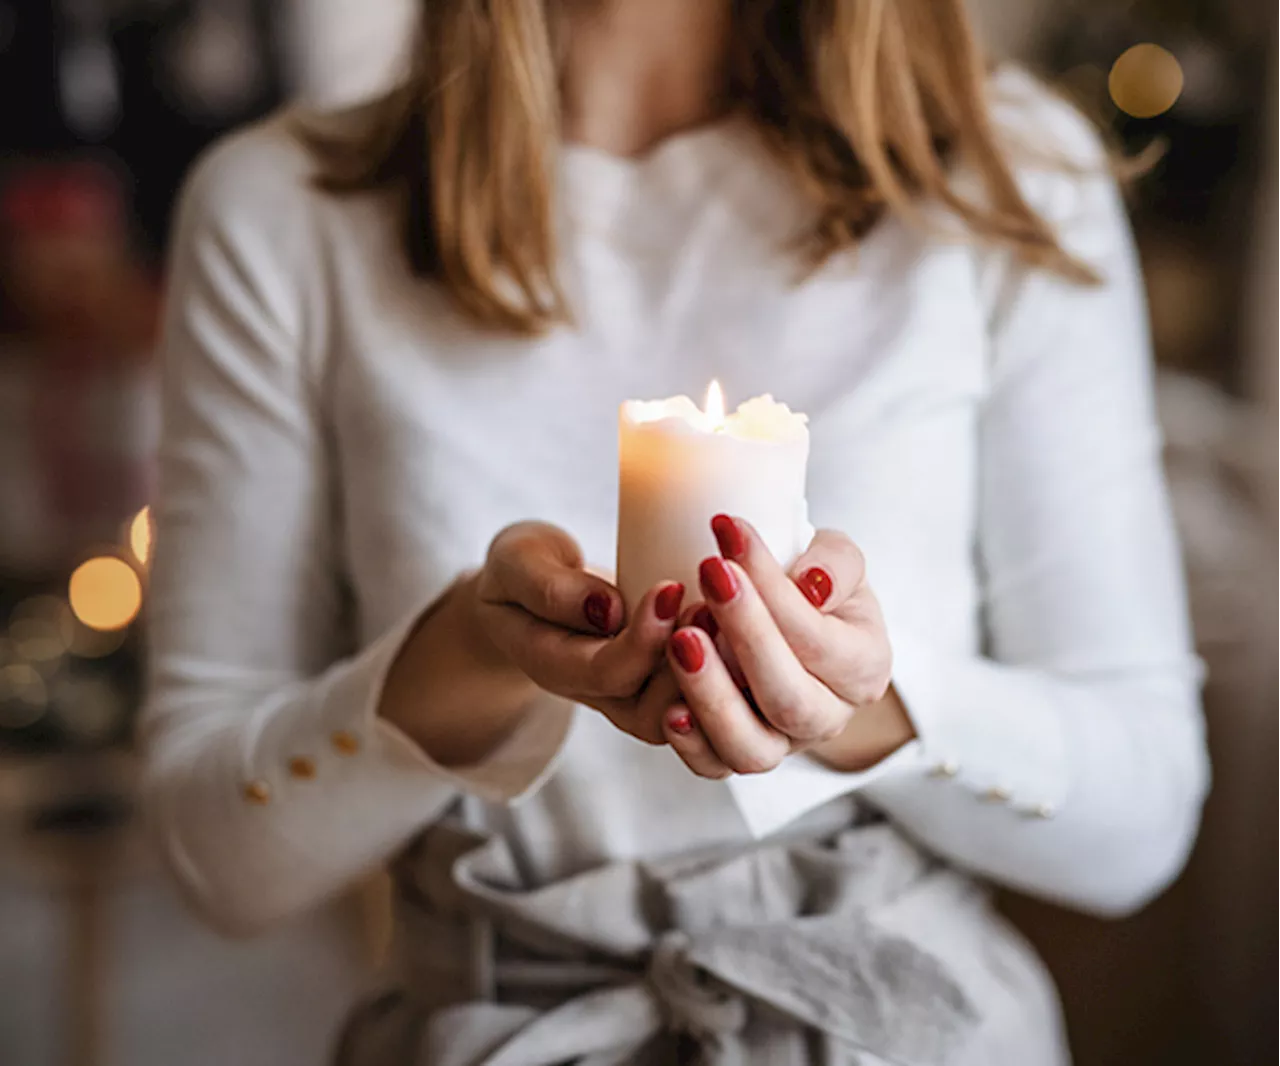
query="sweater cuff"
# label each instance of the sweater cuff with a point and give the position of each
(985, 734)
(515, 769)
(345, 744)
(984, 730)
(772, 801)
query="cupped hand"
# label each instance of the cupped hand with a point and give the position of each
(781, 661)
(566, 629)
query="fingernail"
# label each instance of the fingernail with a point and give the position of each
(597, 609)
(680, 722)
(666, 605)
(815, 583)
(687, 649)
(717, 579)
(733, 545)
(703, 619)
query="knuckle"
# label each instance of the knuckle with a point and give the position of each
(628, 722)
(502, 542)
(756, 762)
(789, 716)
(513, 541)
(850, 555)
(712, 773)
(547, 589)
(807, 644)
(868, 690)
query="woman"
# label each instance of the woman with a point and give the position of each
(395, 339)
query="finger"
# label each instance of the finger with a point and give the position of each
(554, 658)
(739, 737)
(829, 575)
(584, 667)
(687, 740)
(699, 615)
(642, 716)
(538, 567)
(848, 650)
(791, 699)
(831, 571)
(622, 665)
(843, 642)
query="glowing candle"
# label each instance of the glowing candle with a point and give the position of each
(680, 465)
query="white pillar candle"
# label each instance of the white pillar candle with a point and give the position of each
(680, 466)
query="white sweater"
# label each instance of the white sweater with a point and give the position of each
(340, 444)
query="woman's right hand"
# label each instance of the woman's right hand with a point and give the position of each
(531, 618)
(565, 628)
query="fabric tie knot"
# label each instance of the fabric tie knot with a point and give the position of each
(692, 1000)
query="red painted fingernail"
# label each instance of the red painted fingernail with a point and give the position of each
(729, 536)
(666, 605)
(680, 722)
(717, 579)
(815, 583)
(703, 619)
(597, 609)
(687, 649)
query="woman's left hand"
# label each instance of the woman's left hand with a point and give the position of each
(796, 661)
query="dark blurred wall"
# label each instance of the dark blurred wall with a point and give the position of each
(28, 73)
(145, 83)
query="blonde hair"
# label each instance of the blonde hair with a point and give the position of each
(864, 102)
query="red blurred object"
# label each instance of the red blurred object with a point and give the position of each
(80, 313)
(62, 199)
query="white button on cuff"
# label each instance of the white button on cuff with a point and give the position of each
(996, 794)
(1043, 810)
(946, 768)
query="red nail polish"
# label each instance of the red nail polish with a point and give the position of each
(686, 646)
(718, 581)
(703, 619)
(815, 583)
(666, 605)
(681, 722)
(733, 545)
(597, 609)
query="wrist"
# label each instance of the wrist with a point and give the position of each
(451, 689)
(874, 733)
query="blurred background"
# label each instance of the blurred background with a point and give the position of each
(103, 106)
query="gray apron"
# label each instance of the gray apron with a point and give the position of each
(846, 948)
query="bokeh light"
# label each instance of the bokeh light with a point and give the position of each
(140, 536)
(23, 695)
(1145, 81)
(41, 629)
(105, 593)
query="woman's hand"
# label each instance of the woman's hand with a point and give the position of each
(563, 628)
(793, 661)
(532, 617)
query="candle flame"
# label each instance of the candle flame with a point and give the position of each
(714, 407)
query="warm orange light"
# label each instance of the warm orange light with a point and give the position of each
(140, 535)
(714, 407)
(105, 593)
(1145, 81)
